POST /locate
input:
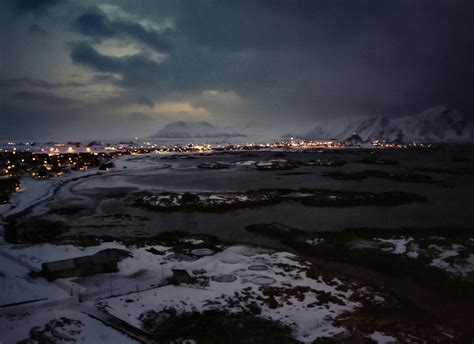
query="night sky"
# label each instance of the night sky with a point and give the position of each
(114, 69)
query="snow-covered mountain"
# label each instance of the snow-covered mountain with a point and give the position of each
(438, 124)
(181, 129)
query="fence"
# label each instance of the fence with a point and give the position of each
(114, 292)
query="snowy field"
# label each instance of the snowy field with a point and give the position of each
(246, 272)
(236, 270)
(83, 329)
(306, 304)
(17, 286)
(237, 279)
(440, 253)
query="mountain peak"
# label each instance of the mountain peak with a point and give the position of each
(199, 129)
(437, 124)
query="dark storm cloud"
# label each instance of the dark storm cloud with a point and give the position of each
(84, 54)
(303, 57)
(310, 25)
(95, 24)
(136, 70)
(285, 61)
(416, 50)
(36, 7)
(41, 98)
(37, 30)
(145, 101)
(185, 71)
(36, 83)
(271, 24)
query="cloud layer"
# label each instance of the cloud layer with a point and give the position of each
(121, 64)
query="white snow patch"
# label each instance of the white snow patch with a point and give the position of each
(16, 328)
(463, 268)
(382, 338)
(314, 242)
(307, 322)
(17, 286)
(192, 241)
(399, 245)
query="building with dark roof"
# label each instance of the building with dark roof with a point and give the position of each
(105, 261)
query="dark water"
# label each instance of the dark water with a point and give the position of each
(450, 199)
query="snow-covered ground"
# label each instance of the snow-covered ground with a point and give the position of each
(250, 273)
(84, 330)
(38, 254)
(381, 338)
(141, 271)
(463, 267)
(17, 286)
(452, 257)
(234, 279)
(34, 191)
(52, 302)
(277, 282)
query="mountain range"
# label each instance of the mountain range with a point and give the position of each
(438, 124)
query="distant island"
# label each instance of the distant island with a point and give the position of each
(200, 129)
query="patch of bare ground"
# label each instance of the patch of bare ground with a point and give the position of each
(33, 230)
(62, 330)
(394, 318)
(406, 261)
(216, 202)
(179, 241)
(375, 249)
(214, 327)
(7, 187)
